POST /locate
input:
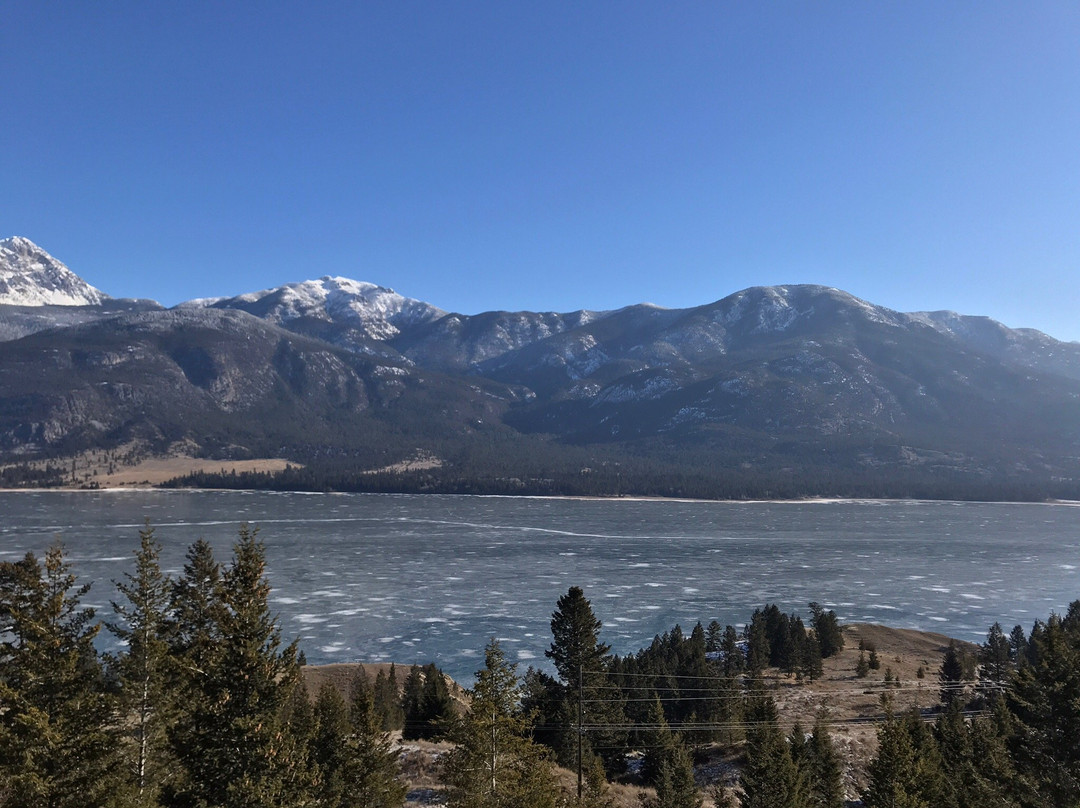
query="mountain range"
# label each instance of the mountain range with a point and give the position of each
(782, 390)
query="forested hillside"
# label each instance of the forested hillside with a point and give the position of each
(206, 706)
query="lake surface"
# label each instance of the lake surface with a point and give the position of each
(375, 577)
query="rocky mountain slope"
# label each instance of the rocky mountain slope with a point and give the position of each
(774, 380)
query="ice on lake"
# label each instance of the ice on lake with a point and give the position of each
(421, 578)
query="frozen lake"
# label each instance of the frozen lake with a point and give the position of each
(419, 578)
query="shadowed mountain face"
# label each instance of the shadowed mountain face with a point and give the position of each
(801, 375)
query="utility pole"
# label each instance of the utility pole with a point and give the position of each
(580, 727)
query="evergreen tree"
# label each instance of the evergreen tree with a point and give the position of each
(823, 770)
(770, 778)
(733, 660)
(675, 787)
(369, 771)
(437, 708)
(862, 667)
(951, 675)
(714, 635)
(57, 748)
(658, 744)
(412, 705)
(388, 700)
(978, 773)
(757, 645)
(1044, 699)
(495, 764)
(145, 671)
(894, 771)
(1017, 645)
(907, 770)
(873, 661)
(232, 740)
(810, 665)
(995, 663)
(194, 632)
(327, 746)
(827, 628)
(575, 634)
(582, 662)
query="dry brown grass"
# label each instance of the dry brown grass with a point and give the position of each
(133, 465)
(850, 706)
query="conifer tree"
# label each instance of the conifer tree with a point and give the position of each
(658, 744)
(894, 771)
(907, 770)
(57, 745)
(196, 606)
(1017, 645)
(145, 671)
(733, 659)
(495, 764)
(327, 746)
(233, 741)
(951, 675)
(827, 628)
(995, 662)
(369, 773)
(1044, 698)
(388, 700)
(412, 705)
(714, 636)
(824, 773)
(770, 778)
(582, 663)
(675, 786)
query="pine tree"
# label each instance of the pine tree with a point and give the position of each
(827, 629)
(1044, 698)
(196, 606)
(733, 659)
(810, 665)
(824, 772)
(1017, 645)
(495, 764)
(658, 744)
(582, 662)
(907, 770)
(770, 778)
(757, 645)
(388, 700)
(233, 741)
(862, 667)
(576, 631)
(145, 671)
(894, 771)
(327, 745)
(412, 705)
(675, 786)
(951, 675)
(714, 635)
(369, 773)
(995, 663)
(438, 709)
(57, 745)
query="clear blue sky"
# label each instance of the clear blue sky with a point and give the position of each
(553, 156)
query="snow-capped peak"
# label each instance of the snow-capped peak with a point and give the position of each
(375, 310)
(29, 276)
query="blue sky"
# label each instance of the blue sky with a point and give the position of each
(553, 156)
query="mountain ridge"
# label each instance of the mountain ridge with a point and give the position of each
(806, 378)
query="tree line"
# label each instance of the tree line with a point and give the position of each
(205, 706)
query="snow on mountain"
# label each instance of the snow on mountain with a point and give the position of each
(29, 276)
(375, 310)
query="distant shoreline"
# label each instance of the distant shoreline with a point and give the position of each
(1072, 503)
